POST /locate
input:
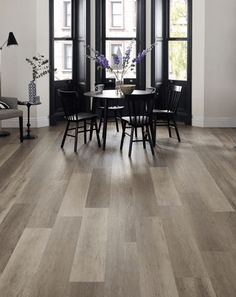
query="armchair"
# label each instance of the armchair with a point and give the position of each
(12, 112)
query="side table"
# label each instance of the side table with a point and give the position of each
(28, 104)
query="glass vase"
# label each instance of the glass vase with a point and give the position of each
(118, 82)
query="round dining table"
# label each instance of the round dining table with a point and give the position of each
(107, 96)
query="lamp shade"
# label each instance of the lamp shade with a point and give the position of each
(11, 40)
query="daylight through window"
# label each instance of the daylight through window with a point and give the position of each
(120, 30)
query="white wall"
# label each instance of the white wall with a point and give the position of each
(220, 63)
(214, 63)
(28, 20)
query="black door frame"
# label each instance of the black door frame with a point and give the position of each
(185, 112)
(140, 41)
(79, 8)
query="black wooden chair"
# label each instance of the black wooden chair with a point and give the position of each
(140, 109)
(166, 116)
(114, 110)
(80, 120)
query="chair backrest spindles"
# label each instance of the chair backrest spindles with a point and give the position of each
(70, 103)
(174, 95)
(140, 108)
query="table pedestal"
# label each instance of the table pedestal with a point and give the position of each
(28, 104)
(28, 135)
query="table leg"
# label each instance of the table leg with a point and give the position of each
(28, 136)
(104, 133)
(93, 104)
(28, 120)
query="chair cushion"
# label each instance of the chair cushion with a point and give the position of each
(4, 105)
(10, 113)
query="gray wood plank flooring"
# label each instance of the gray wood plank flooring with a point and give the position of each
(99, 224)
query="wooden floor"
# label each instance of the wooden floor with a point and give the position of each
(98, 224)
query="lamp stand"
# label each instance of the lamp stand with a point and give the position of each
(2, 133)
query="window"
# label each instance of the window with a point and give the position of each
(67, 57)
(178, 40)
(63, 40)
(116, 14)
(117, 50)
(67, 13)
(120, 31)
(62, 18)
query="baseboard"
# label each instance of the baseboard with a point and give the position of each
(198, 121)
(214, 122)
(34, 122)
(222, 122)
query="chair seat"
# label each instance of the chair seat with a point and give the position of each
(140, 122)
(164, 111)
(115, 107)
(10, 113)
(82, 116)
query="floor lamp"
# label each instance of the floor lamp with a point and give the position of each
(11, 40)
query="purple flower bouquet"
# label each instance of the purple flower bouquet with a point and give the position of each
(120, 64)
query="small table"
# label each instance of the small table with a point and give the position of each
(28, 104)
(106, 96)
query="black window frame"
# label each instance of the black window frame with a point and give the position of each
(186, 39)
(185, 106)
(80, 37)
(159, 68)
(101, 38)
(72, 39)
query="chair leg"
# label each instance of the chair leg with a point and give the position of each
(100, 121)
(65, 133)
(91, 131)
(97, 132)
(150, 139)
(123, 124)
(120, 112)
(76, 136)
(144, 140)
(177, 131)
(151, 130)
(131, 140)
(85, 132)
(169, 128)
(21, 128)
(117, 126)
(154, 131)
